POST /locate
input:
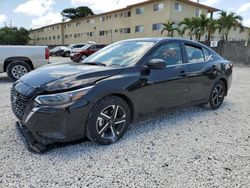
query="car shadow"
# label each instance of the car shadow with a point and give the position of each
(140, 128)
(4, 78)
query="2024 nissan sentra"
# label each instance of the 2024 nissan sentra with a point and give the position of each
(123, 82)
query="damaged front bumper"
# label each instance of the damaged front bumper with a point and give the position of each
(32, 145)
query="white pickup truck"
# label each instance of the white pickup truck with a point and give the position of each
(19, 60)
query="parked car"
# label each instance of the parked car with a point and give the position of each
(19, 60)
(80, 54)
(57, 51)
(117, 85)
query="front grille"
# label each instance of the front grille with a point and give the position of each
(18, 103)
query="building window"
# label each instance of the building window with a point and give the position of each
(102, 19)
(92, 21)
(198, 12)
(102, 33)
(127, 14)
(157, 27)
(126, 30)
(158, 7)
(58, 36)
(139, 11)
(178, 7)
(139, 29)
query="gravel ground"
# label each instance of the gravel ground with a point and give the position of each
(193, 147)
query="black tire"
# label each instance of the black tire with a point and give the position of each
(17, 69)
(217, 95)
(66, 54)
(103, 130)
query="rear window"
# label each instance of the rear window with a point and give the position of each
(195, 54)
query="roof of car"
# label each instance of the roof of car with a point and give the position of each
(160, 39)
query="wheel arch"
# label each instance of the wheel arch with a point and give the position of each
(225, 83)
(127, 100)
(18, 58)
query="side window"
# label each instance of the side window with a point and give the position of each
(92, 47)
(195, 54)
(169, 52)
(207, 54)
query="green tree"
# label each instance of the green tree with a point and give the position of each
(75, 13)
(14, 36)
(169, 28)
(211, 28)
(187, 25)
(227, 21)
(203, 23)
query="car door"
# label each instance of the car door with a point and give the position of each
(92, 49)
(167, 87)
(198, 72)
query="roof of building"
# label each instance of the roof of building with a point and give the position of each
(210, 10)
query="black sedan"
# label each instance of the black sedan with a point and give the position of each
(119, 84)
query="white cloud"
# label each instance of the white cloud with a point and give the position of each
(246, 22)
(48, 19)
(243, 8)
(102, 6)
(34, 7)
(3, 18)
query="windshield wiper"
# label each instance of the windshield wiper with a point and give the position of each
(95, 63)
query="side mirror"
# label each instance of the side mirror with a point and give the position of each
(156, 64)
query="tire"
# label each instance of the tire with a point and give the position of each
(83, 57)
(17, 69)
(66, 54)
(108, 121)
(217, 95)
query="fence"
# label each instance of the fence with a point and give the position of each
(237, 52)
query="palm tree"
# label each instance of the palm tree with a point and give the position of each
(170, 28)
(212, 26)
(203, 23)
(227, 21)
(188, 25)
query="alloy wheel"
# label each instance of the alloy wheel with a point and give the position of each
(218, 95)
(18, 71)
(111, 121)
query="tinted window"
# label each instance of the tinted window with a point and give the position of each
(170, 52)
(206, 54)
(195, 54)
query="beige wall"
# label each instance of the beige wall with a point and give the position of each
(88, 29)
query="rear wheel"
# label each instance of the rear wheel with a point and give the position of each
(108, 121)
(217, 95)
(17, 69)
(84, 57)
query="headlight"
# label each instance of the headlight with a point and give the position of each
(62, 98)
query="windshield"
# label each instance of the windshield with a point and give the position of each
(122, 54)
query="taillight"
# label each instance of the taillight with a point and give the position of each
(46, 53)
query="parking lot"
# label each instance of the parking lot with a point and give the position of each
(193, 147)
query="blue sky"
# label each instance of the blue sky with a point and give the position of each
(37, 13)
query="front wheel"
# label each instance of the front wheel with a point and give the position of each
(217, 95)
(108, 121)
(17, 69)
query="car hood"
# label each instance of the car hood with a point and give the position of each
(67, 76)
